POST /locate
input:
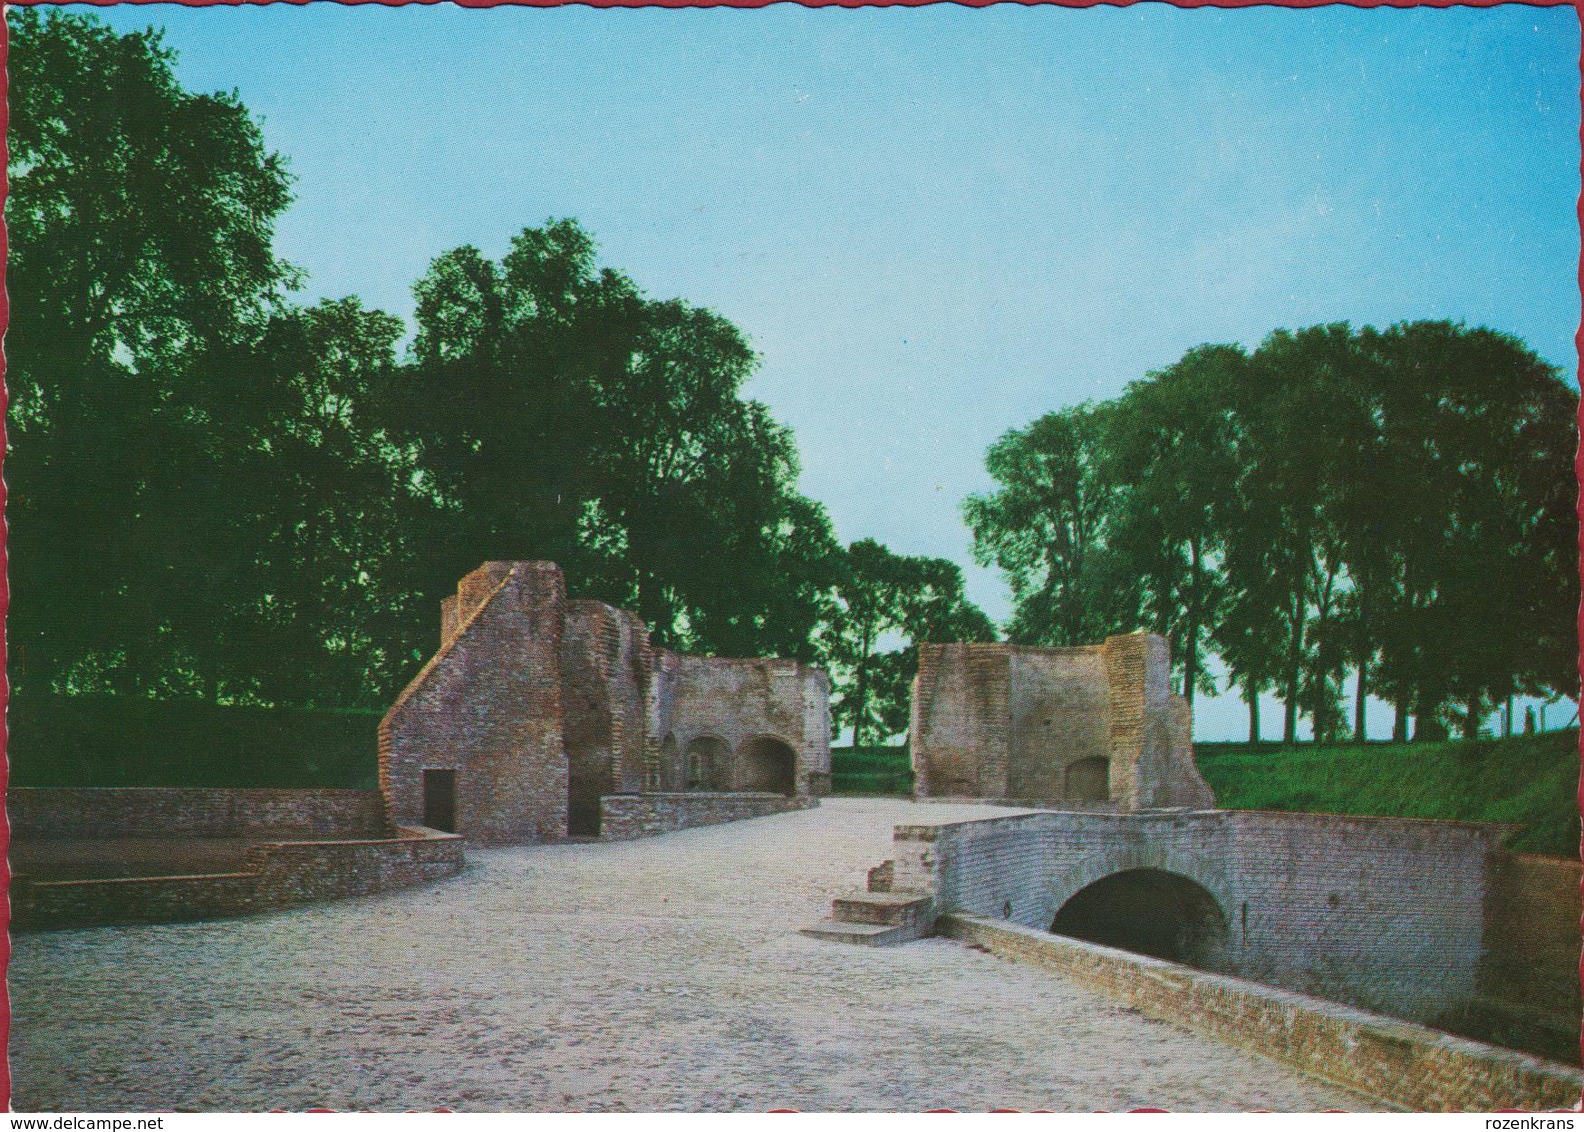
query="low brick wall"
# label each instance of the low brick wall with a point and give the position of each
(192, 812)
(1399, 1062)
(624, 817)
(281, 874)
(298, 872)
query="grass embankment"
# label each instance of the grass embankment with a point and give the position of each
(871, 770)
(1531, 780)
(116, 741)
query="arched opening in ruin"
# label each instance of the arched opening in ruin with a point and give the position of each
(768, 765)
(708, 764)
(1152, 912)
(1089, 780)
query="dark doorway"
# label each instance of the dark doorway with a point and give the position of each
(768, 766)
(1089, 780)
(439, 800)
(1152, 912)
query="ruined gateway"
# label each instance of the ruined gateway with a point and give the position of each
(1089, 728)
(542, 718)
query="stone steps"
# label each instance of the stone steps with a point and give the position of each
(876, 919)
(868, 935)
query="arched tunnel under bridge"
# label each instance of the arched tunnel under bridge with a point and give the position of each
(1151, 912)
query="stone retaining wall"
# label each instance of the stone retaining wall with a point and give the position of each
(281, 874)
(121, 811)
(624, 817)
(1382, 913)
(1405, 1064)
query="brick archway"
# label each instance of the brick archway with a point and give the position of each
(767, 764)
(1152, 912)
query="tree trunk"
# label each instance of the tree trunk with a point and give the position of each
(1471, 721)
(861, 690)
(1191, 655)
(1254, 722)
(1294, 671)
(1399, 723)
(1360, 694)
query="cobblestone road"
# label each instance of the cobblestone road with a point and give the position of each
(663, 974)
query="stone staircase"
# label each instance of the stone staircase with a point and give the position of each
(877, 918)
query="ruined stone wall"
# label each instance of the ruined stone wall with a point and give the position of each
(1094, 727)
(604, 677)
(960, 723)
(1383, 913)
(128, 811)
(488, 706)
(1058, 707)
(743, 703)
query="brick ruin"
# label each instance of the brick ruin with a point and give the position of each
(539, 714)
(1095, 727)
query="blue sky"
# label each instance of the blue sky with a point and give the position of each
(936, 224)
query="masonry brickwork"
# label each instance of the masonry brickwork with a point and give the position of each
(129, 811)
(283, 848)
(1382, 913)
(1093, 727)
(625, 817)
(1413, 1066)
(538, 707)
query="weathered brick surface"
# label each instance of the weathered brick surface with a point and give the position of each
(488, 707)
(1529, 985)
(1409, 1065)
(629, 816)
(57, 812)
(278, 875)
(739, 701)
(541, 706)
(1382, 913)
(606, 662)
(1021, 724)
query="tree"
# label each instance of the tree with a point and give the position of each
(141, 219)
(1477, 597)
(562, 414)
(1171, 450)
(1045, 528)
(891, 599)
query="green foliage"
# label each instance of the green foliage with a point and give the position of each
(882, 598)
(871, 770)
(217, 494)
(125, 741)
(1045, 527)
(1399, 503)
(1531, 780)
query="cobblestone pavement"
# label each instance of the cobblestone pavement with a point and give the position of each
(663, 974)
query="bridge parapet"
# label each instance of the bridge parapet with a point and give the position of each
(1383, 913)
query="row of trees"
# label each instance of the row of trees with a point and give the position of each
(217, 493)
(1397, 504)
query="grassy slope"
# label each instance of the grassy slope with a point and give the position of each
(1528, 779)
(871, 770)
